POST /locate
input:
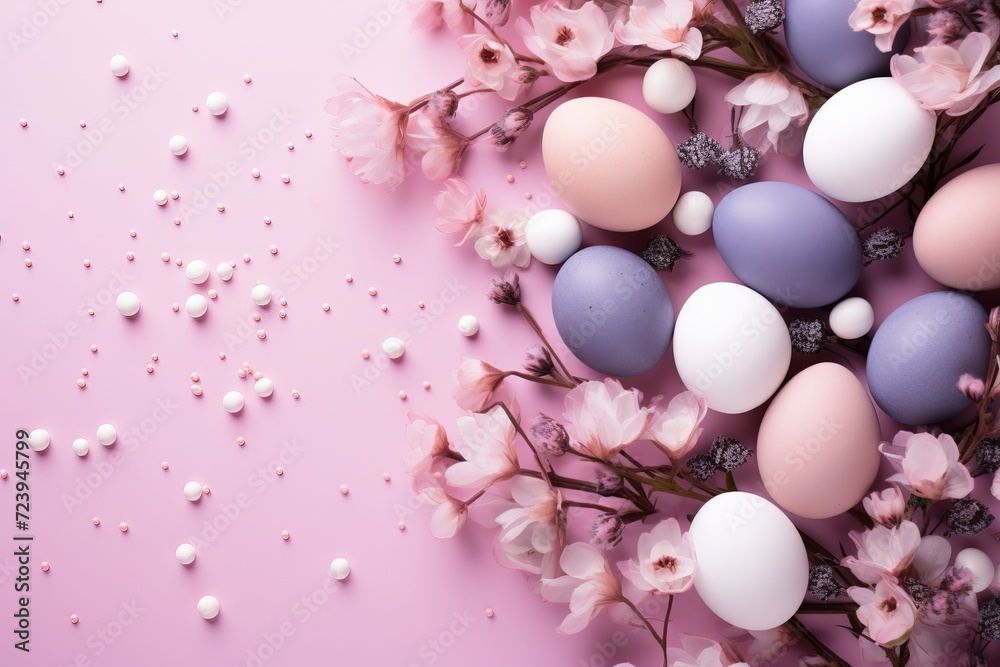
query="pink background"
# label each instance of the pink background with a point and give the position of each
(411, 600)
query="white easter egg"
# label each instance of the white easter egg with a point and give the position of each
(980, 565)
(852, 318)
(693, 213)
(668, 85)
(553, 235)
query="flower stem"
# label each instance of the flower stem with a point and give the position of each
(541, 335)
(799, 628)
(524, 436)
(666, 624)
(659, 640)
(592, 506)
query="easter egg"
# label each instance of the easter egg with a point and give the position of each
(788, 243)
(731, 346)
(553, 235)
(668, 85)
(612, 310)
(612, 166)
(867, 141)
(752, 565)
(957, 238)
(693, 213)
(852, 318)
(920, 351)
(817, 448)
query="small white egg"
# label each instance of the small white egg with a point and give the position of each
(208, 607)
(980, 565)
(264, 387)
(340, 569)
(106, 434)
(185, 554)
(224, 270)
(127, 304)
(178, 144)
(119, 65)
(852, 318)
(668, 85)
(232, 401)
(197, 271)
(693, 213)
(39, 439)
(393, 347)
(261, 294)
(192, 491)
(81, 446)
(552, 235)
(160, 197)
(468, 325)
(217, 103)
(196, 305)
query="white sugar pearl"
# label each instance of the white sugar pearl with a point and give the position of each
(178, 144)
(468, 325)
(217, 103)
(197, 271)
(232, 401)
(160, 197)
(224, 270)
(340, 569)
(127, 304)
(393, 347)
(81, 446)
(192, 491)
(668, 85)
(196, 305)
(693, 213)
(208, 607)
(264, 387)
(39, 439)
(261, 294)
(106, 434)
(185, 554)
(852, 318)
(980, 565)
(553, 235)
(119, 65)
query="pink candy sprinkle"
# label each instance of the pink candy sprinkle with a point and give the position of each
(195, 377)
(401, 525)
(420, 304)
(489, 612)
(177, 221)
(510, 178)
(308, 133)
(81, 383)
(283, 301)
(173, 33)
(26, 246)
(206, 490)
(273, 249)
(291, 146)
(365, 354)
(123, 527)
(427, 385)
(24, 123)
(45, 566)
(93, 348)
(246, 78)
(3, 473)
(296, 394)
(130, 256)
(527, 195)
(396, 258)
(344, 489)
(221, 207)
(175, 195)
(285, 535)
(285, 178)
(154, 356)
(523, 164)
(96, 521)
(256, 317)
(255, 172)
(241, 441)
(121, 187)
(282, 314)
(132, 233)
(194, 108)
(222, 355)
(27, 262)
(349, 278)
(242, 373)
(83, 123)
(402, 395)
(372, 291)
(267, 220)
(196, 390)
(70, 215)
(74, 619)
(86, 263)
(385, 476)
(165, 465)
(15, 297)
(257, 375)
(212, 294)
(261, 334)
(326, 307)
(165, 257)
(149, 368)
(384, 308)
(90, 311)
(175, 307)
(60, 171)
(246, 259)
(279, 471)
(84, 372)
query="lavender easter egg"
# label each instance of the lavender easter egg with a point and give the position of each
(920, 351)
(788, 243)
(828, 49)
(612, 310)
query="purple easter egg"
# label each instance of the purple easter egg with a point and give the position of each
(612, 311)
(920, 351)
(828, 49)
(788, 243)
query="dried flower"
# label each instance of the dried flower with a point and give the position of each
(945, 26)
(662, 252)
(809, 336)
(539, 361)
(443, 104)
(728, 454)
(988, 455)
(497, 12)
(823, 585)
(550, 435)
(884, 243)
(989, 620)
(702, 467)
(739, 163)
(954, 586)
(699, 151)
(968, 516)
(763, 15)
(608, 482)
(511, 125)
(606, 533)
(971, 386)
(918, 590)
(506, 291)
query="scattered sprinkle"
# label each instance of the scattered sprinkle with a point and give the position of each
(396, 258)
(196, 390)
(365, 354)
(401, 525)
(344, 489)
(296, 394)
(123, 527)
(386, 477)
(510, 178)
(427, 385)
(349, 278)
(74, 619)
(523, 164)
(489, 612)
(279, 471)
(285, 178)
(45, 566)
(402, 395)
(24, 123)
(372, 291)
(165, 465)
(285, 535)
(255, 172)
(308, 133)
(241, 441)
(326, 307)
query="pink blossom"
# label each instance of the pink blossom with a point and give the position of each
(775, 110)
(666, 560)
(885, 508)
(927, 466)
(603, 418)
(475, 383)
(946, 78)
(449, 515)
(995, 486)
(701, 652)
(883, 551)
(460, 208)
(428, 14)
(503, 241)
(972, 387)
(882, 18)
(491, 64)
(887, 612)
(370, 131)
(664, 25)
(676, 430)
(588, 586)
(429, 448)
(440, 146)
(533, 529)
(570, 41)
(931, 559)
(486, 440)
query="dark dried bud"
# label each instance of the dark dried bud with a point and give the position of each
(968, 516)
(917, 589)
(764, 15)
(662, 253)
(702, 467)
(497, 12)
(728, 454)
(699, 151)
(443, 104)
(988, 455)
(989, 620)
(506, 291)
(608, 483)
(607, 531)
(809, 336)
(739, 163)
(550, 435)
(511, 125)
(823, 585)
(884, 243)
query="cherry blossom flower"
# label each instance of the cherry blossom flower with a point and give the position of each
(570, 41)
(931, 559)
(775, 110)
(503, 241)
(885, 508)
(449, 515)
(429, 448)
(533, 529)
(676, 429)
(971, 386)
(946, 78)
(664, 25)
(882, 18)
(887, 612)
(928, 466)
(603, 418)
(588, 586)
(491, 64)
(370, 131)
(883, 551)
(429, 14)
(440, 146)
(475, 383)
(486, 440)
(701, 652)
(666, 562)
(460, 208)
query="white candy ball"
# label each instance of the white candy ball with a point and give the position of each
(127, 304)
(119, 65)
(340, 569)
(393, 347)
(224, 270)
(185, 554)
(39, 439)
(468, 325)
(160, 197)
(178, 144)
(232, 401)
(264, 387)
(197, 271)
(81, 446)
(980, 565)
(106, 434)
(217, 103)
(192, 491)
(668, 85)
(852, 318)
(208, 607)
(553, 235)
(261, 294)
(693, 213)
(196, 305)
